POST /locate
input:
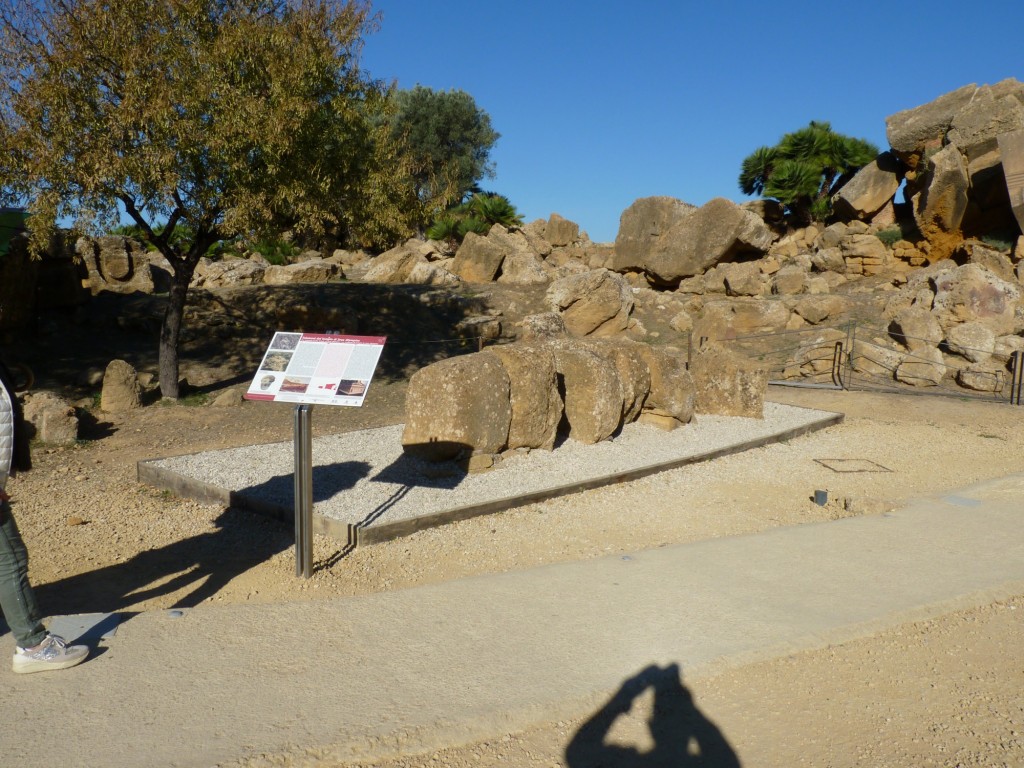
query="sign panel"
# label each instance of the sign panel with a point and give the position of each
(316, 368)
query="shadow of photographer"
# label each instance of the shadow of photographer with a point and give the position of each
(683, 737)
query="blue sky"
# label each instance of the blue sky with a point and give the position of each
(599, 104)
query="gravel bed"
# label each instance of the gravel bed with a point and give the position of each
(363, 478)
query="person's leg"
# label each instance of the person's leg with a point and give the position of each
(17, 601)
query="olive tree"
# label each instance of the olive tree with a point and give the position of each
(225, 117)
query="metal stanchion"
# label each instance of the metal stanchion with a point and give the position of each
(303, 491)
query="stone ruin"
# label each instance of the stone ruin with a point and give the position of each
(529, 394)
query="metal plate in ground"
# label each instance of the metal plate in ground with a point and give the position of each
(85, 627)
(852, 465)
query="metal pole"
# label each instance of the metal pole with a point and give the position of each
(303, 491)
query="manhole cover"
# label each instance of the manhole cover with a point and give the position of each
(852, 465)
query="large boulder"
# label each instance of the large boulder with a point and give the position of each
(922, 368)
(634, 373)
(533, 386)
(971, 292)
(940, 208)
(870, 189)
(916, 329)
(728, 384)
(121, 391)
(672, 392)
(560, 231)
(312, 271)
(220, 274)
(458, 407)
(478, 259)
(719, 231)
(913, 130)
(597, 302)
(1011, 150)
(53, 419)
(642, 225)
(592, 391)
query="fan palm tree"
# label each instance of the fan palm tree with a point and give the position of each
(805, 169)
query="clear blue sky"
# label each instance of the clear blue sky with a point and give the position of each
(599, 104)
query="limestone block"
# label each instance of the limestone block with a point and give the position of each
(458, 406)
(533, 386)
(478, 259)
(789, 280)
(642, 225)
(596, 302)
(560, 231)
(672, 389)
(746, 279)
(1011, 150)
(940, 208)
(971, 292)
(728, 384)
(924, 367)
(973, 341)
(870, 189)
(52, 418)
(916, 329)
(121, 390)
(817, 309)
(316, 271)
(592, 392)
(983, 377)
(875, 358)
(912, 130)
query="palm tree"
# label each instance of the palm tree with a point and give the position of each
(805, 169)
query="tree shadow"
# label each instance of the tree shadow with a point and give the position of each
(683, 737)
(201, 564)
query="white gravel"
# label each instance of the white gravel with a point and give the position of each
(363, 478)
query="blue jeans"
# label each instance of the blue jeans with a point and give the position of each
(17, 601)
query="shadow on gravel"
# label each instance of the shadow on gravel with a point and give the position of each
(683, 737)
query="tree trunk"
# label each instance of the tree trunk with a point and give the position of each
(170, 331)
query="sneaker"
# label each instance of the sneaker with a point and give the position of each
(52, 653)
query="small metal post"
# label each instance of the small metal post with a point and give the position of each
(303, 491)
(1016, 378)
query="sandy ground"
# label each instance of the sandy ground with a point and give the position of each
(942, 692)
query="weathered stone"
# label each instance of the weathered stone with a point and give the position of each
(973, 341)
(740, 317)
(478, 259)
(597, 302)
(728, 384)
(121, 391)
(982, 377)
(522, 268)
(431, 272)
(916, 329)
(817, 309)
(924, 367)
(996, 262)
(560, 231)
(592, 392)
(536, 405)
(719, 231)
(816, 356)
(229, 398)
(911, 130)
(829, 260)
(789, 280)
(1011, 150)
(456, 407)
(970, 293)
(672, 390)
(940, 208)
(985, 117)
(745, 279)
(52, 419)
(642, 225)
(546, 325)
(114, 263)
(220, 274)
(316, 271)
(875, 358)
(870, 189)
(634, 375)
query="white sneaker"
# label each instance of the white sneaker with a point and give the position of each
(52, 653)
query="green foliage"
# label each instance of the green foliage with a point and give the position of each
(448, 139)
(232, 118)
(890, 235)
(1001, 241)
(478, 214)
(805, 169)
(275, 250)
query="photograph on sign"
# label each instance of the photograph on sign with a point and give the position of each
(329, 369)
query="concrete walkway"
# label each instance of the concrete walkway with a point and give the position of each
(466, 659)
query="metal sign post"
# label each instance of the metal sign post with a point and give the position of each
(303, 491)
(306, 369)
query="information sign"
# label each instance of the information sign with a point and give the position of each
(316, 369)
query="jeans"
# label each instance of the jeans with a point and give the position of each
(17, 601)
